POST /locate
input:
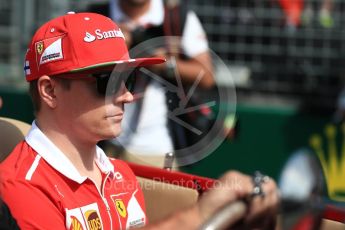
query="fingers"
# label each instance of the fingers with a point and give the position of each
(244, 186)
(230, 187)
(160, 52)
(237, 183)
(127, 32)
(263, 208)
(237, 186)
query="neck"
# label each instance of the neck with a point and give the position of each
(79, 152)
(134, 10)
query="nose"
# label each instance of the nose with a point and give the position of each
(124, 96)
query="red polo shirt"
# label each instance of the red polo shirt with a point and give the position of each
(45, 191)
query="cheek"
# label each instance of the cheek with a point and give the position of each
(81, 111)
(91, 117)
(95, 116)
(73, 108)
(84, 103)
(102, 128)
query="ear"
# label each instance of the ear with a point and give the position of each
(46, 89)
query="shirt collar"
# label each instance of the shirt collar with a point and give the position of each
(154, 16)
(55, 157)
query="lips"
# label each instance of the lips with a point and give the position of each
(117, 116)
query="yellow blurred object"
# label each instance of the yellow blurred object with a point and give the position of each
(332, 159)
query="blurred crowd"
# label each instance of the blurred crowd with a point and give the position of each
(284, 47)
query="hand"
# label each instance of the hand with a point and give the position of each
(236, 186)
(160, 68)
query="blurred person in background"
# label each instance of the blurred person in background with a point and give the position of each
(303, 12)
(141, 20)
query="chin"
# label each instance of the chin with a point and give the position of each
(113, 133)
(137, 2)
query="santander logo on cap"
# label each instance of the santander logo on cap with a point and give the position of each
(103, 35)
(89, 37)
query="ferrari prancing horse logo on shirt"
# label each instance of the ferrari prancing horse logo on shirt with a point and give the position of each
(121, 208)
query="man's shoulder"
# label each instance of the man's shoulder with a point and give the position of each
(119, 165)
(17, 170)
(18, 161)
(22, 164)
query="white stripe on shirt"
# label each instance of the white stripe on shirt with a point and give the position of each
(33, 168)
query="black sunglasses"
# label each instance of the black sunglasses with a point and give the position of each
(109, 83)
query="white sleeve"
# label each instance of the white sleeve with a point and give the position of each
(194, 40)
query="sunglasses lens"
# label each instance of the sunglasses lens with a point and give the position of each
(102, 82)
(130, 81)
(107, 82)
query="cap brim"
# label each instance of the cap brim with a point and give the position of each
(137, 62)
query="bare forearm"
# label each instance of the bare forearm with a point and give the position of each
(190, 70)
(231, 187)
(327, 4)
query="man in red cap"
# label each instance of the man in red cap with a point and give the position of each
(57, 177)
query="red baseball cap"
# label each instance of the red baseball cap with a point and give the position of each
(78, 42)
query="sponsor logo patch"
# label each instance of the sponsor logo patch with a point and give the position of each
(100, 35)
(89, 37)
(86, 217)
(121, 208)
(118, 176)
(129, 209)
(39, 47)
(49, 50)
(137, 223)
(93, 220)
(75, 224)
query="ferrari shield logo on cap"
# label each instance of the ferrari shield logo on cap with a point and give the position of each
(121, 208)
(39, 47)
(49, 50)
